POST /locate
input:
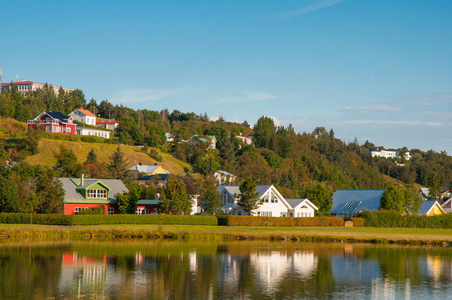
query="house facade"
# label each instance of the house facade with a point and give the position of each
(108, 124)
(24, 87)
(211, 140)
(81, 194)
(54, 122)
(84, 116)
(272, 203)
(91, 131)
(431, 208)
(224, 177)
(149, 170)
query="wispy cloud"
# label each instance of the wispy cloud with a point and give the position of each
(372, 107)
(245, 97)
(145, 95)
(318, 5)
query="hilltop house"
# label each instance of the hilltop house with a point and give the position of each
(25, 87)
(272, 202)
(54, 122)
(210, 139)
(224, 177)
(149, 170)
(347, 203)
(81, 193)
(83, 116)
(108, 124)
(389, 154)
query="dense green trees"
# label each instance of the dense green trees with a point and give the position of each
(117, 167)
(174, 197)
(209, 198)
(319, 193)
(401, 200)
(248, 196)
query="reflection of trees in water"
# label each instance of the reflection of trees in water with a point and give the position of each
(225, 270)
(29, 271)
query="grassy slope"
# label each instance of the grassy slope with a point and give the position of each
(134, 155)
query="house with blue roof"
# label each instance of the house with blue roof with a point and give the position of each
(431, 208)
(348, 203)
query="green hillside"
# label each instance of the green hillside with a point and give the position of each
(133, 154)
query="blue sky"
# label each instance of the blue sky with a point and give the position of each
(375, 70)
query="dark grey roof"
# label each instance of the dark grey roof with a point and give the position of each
(354, 201)
(235, 189)
(426, 207)
(70, 187)
(58, 115)
(149, 202)
(295, 202)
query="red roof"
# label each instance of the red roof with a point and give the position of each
(107, 122)
(86, 112)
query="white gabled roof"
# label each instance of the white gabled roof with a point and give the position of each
(261, 189)
(300, 202)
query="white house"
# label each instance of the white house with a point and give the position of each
(93, 132)
(389, 154)
(301, 208)
(272, 203)
(84, 116)
(224, 177)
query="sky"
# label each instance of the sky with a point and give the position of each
(372, 70)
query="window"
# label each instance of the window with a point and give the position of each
(111, 210)
(79, 209)
(266, 198)
(142, 211)
(274, 198)
(96, 194)
(266, 213)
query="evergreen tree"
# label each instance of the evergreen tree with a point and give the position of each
(117, 167)
(174, 197)
(209, 198)
(248, 196)
(263, 132)
(67, 162)
(91, 158)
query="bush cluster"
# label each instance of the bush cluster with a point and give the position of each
(391, 219)
(279, 221)
(42, 219)
(45, 219)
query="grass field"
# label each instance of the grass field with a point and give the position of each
(133, 154)
(376, 235)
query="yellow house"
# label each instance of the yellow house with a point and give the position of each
(431, 208)
(149, 170)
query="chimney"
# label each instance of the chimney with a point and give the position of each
(140, 163)
(155, 164)
(82, 181)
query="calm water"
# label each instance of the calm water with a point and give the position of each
(231, 270)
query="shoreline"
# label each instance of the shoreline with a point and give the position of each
(401, 236)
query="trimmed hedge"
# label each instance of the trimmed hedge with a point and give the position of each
(279, 221)
(391, 219)
(10, 218)
(144, 219)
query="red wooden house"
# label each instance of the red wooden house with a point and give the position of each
(53, 121)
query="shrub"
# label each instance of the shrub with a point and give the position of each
(155, 155)
(43, 219)
(392, 219)
(98, 210)
(90, 219)
(279, 221)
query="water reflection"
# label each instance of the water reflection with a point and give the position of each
(235, 270)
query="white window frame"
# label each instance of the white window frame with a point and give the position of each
(111, 210)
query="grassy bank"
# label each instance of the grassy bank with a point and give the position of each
(413, 236)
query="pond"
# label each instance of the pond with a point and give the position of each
(222, 270)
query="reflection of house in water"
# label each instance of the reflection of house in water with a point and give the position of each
(85, 276)
(271, 267)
